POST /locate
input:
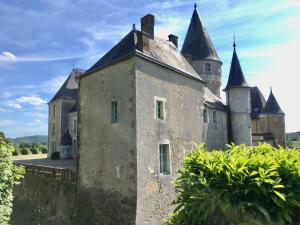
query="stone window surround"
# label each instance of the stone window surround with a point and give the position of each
(165, 142)
(207, 67)
(164, 112)
(114, 112)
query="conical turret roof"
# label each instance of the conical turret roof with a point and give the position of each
(197, 43)
(272, 106)
(236, 76)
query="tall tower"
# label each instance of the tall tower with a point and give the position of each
(238, 101)
(275, 120)
(201, 54)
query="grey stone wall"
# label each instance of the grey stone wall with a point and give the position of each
(238, 100)
(183, 99)
(54, 118)
(71, 118)
(107, 164)
(212, 79)
(215, 135)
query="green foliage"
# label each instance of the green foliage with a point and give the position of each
(43, 149)
(37, 139)
(16, 152)
(10, 174)
(35, 150)
(243, 185)
(55, 155)
(25, 151)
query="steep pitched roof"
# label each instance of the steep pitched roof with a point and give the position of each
(66, 139)
(272, 106)
(236, 76)
(160, 51)
(212, 101)
(258, 102)
(197, 43)
(69, 89)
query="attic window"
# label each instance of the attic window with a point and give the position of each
(208, 67)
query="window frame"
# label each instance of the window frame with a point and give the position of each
(164, 159)
(205, 116)
(114, 113)
(208, 67)
(163, 113)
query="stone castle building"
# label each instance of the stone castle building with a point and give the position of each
(140, 108)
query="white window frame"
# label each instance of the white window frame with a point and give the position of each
(163, 111)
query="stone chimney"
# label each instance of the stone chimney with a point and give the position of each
(147, 25)
(174, 39)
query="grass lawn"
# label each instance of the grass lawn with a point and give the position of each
(296, 144)
(31, 156)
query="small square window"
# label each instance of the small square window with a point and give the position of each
(160, 110)
(164, 159)
(205, 116)
(114, 112)
(208, 67)
(215, 117)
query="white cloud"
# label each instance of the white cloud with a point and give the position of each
(15, 105)
(9, 56)
(53, 85)
(3, 110)
(6, 123)
(33, 100)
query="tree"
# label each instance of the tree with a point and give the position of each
(10, 175)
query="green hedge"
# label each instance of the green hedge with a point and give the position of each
(242, 185)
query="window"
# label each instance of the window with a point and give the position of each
(75, 126)
(114, 111)
(205, 116)
(53, 146)
(215, 117)
(164, 159)
(74, 146)
(208, 67)
(159, 109)
(53, 128)
(53, 111)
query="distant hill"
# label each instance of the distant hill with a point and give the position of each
(38, 139)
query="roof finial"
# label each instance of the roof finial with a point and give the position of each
(133, 26)
(271, 89)
(195, 5)
(234, 44)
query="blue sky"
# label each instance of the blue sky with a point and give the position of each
(41, 41)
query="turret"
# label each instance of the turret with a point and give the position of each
(238, 102)
(275, 120)
(198, 49)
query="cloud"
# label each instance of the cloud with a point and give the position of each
(8, 56)
(52, 86)
(15, 105)
(33, 100)
(6, 123)
(3, 110)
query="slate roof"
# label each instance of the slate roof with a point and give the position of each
(258, 102)
(69, 89)
(197, 43)
(66, 139)
(236, 76)
(212, 101)
(272, 106)
(160, 51)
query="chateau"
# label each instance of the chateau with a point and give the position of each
(132, 116)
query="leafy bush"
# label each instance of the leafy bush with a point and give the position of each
(9, 176)
(43, 149)
(55, 155)
(35, 151)
(25, 151)
(16, 152)
(242, 185)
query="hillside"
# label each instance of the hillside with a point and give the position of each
(293, 139)
(37, 139)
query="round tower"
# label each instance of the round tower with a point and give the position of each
(198, 49)
(238, 102)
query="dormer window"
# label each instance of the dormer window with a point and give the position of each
(208, 67)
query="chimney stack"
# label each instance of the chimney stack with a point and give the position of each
(147, 25)
(174, 39)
